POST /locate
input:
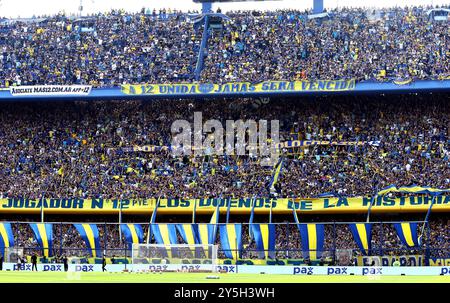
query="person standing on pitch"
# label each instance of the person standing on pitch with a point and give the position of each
(103, 263)
(66, 264)
(34, 262)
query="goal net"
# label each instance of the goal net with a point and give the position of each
(175, 257)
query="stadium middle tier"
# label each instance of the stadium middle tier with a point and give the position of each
(346, 146)
(171, 47)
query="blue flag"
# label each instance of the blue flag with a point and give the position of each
(43, 233)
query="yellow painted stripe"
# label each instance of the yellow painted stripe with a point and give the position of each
(189, 236)
(43, 234)
(361, 227)
(312, 239)
(134, 236)
(406, 228)
(264, 228)
(231, 233)
(91, 238)
(4, 234)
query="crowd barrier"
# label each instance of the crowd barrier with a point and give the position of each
(244, 269)
(404, 260)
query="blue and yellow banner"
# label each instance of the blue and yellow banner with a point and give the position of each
(362, 233)
(215, 216)
(281, 145)
(43, 233)
(264, 236)
(165, 234)
(402, 81)
(89, 233)
(189, 233)
(419, 200)
(231, 240)
(238, 87)
(413, 189)
(133, 233)
(312, 237)
(407, 232)
(213, 225)
(152, 220)
(276, 173)
(6, 237)
(207, 233)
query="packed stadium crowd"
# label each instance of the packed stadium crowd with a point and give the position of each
(79, 150)
(109, 49)
(102, 50)
(398, 43)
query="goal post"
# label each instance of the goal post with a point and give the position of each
(12, 254)
(174, 257)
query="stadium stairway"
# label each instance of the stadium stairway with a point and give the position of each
(203, 46)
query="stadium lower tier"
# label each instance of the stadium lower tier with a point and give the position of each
(313, 241)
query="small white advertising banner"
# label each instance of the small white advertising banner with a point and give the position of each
(50, 90)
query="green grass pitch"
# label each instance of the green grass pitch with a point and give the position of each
(106, 277)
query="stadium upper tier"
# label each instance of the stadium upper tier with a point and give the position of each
(82, 149)
(162, 47)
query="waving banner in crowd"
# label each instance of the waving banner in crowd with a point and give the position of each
(407, 232)
(43, 233)
(413, 189)
(6, 237)
(49, 90)
(237, 205)
(239, 87)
